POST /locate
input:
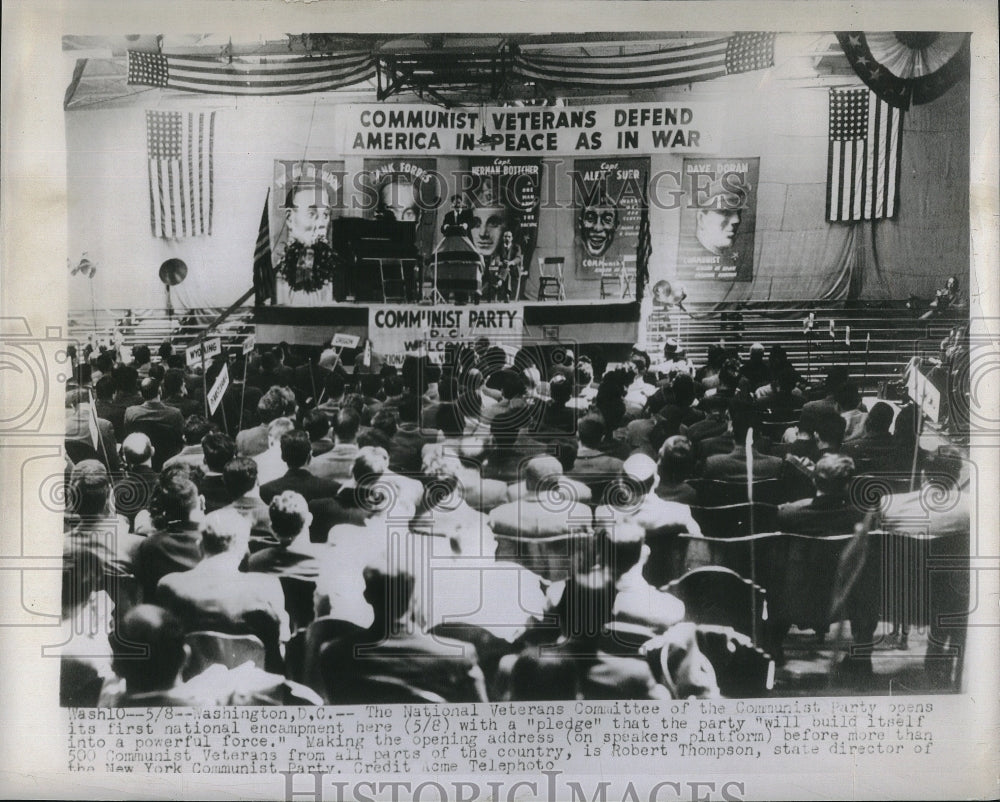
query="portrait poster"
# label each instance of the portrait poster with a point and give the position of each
(504, 194)
(718, 219)
(609, 197)
(306, 196)
(406, 190)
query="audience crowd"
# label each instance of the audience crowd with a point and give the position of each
(486, 528)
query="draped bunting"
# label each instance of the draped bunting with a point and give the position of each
(266, 76)
(437, 72)
(701, 61)
(904, 68)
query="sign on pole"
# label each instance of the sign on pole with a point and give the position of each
(218, 389)
(249, 344)
(345, 340)
(203, 350)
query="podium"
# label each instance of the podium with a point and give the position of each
(457, 269)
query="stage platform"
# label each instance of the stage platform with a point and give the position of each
(883, 335)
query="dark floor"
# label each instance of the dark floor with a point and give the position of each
(812, 668)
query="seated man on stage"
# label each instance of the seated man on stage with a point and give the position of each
(506, 273)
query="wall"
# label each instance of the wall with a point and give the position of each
(797, 254)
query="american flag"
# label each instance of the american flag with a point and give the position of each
(263, 267)
(268, 76)
(700, 61)
(179, 149)
(864, 159)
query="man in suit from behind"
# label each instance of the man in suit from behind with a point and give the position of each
(546, 510)
(636, 601)
(270, 465)
(275, 403)
(240, 477)
(732, 467)
(317, 424)
(294, 556)
(92, 437)
(134, 490)
(593, 465)
(336, 463)
(395, 647)
(830, 512)
(163, 424)
(192, 455)
(216, 596)
(296, 452)
(875, 450)
(172, 545)
(175, 393)
(633, 502)
(218, 449)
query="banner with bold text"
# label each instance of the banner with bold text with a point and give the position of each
(606, 129)
(400, 331)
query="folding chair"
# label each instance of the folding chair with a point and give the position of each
(621, 280)
(716, 595)
(550, 278)
(774, 429)
(628, 275)
(552, 558)
(609, 283)
(393, 280)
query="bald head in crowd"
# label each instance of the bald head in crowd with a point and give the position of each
(641, 472)
(149, 389)
(542, 474)
(137, 450)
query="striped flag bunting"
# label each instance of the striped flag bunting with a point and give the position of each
(701, 61)
(265, 76)
(864, 157)
(180, 167)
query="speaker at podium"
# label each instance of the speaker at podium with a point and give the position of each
(456, 270)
